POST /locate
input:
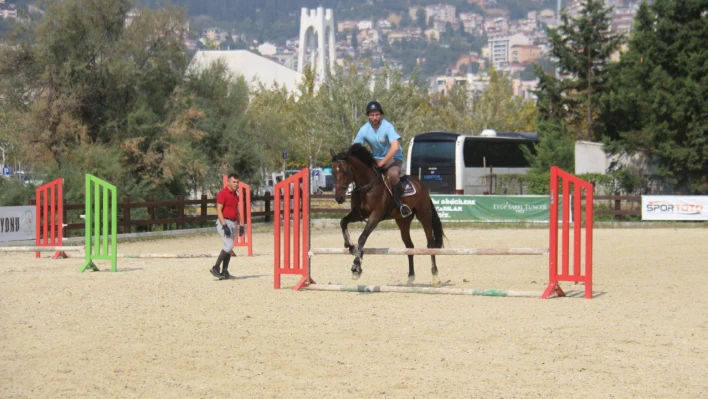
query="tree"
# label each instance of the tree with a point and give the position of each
(272, 115)
(583, 47)
(77, 74)
(659, 105)
(556, 147)
(421, 18)
(461, 110)
(497, 108)
(355, 40)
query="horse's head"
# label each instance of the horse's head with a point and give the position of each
(355, 164)
(342, 175)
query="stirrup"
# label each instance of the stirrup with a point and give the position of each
(405, 210)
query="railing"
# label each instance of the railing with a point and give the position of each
(615, 202)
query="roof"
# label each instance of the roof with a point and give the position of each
(251, 66)
(437, 136)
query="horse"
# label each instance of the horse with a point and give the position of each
(372, 201)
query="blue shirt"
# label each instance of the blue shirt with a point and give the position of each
(380, 140)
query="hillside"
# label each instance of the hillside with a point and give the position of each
(277, 20)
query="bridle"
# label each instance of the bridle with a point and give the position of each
(350, 178)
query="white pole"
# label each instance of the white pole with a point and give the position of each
(433, 251)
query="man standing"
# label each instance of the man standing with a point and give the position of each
(226, 223)
(386, 148)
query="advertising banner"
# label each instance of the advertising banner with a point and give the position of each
(674, 207)
(17, 223)
(492, 208)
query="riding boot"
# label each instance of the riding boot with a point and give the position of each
(398, 198)
(225, 268)
(215, 271)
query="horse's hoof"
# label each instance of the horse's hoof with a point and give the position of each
(410, 280)
(436, 282)
(356, 276)
(351, 250)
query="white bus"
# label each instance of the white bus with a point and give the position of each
(452, 163)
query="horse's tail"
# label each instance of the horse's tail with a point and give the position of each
(438, 233)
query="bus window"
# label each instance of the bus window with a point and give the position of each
(496, 153)
(434, 153)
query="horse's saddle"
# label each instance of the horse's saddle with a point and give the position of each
(408, 187)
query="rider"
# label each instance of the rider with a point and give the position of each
(386, 148)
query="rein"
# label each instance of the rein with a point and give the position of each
(370, 184)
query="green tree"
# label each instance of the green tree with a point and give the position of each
(583, 49)
(421, 18)
(499, 109)
(660, 103)
(272, 115)
(76, 76)
(355, 40)
(556, 147)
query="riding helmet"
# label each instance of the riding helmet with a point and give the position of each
(374, 106)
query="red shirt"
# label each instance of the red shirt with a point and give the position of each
(230, 201)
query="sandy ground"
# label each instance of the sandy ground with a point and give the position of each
(164, 328)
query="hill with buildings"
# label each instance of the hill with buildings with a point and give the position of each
(447, 39)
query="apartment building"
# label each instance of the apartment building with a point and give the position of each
(500, 47)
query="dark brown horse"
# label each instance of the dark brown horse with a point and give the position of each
(371, 201)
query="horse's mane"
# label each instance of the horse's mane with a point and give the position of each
(359, 152)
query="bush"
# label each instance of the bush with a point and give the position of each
(14, 192)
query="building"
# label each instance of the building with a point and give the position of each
(524, 54)
(251, 66)
(213, 36)
(433, 34)
(524, 88)
(267, 49)
(500, 48)
(365, 25)
(476, 83)
(8, 11)
(346, 25)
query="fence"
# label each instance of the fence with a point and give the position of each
(616, 203)
(182, 212)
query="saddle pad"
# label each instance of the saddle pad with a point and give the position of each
(408, 187)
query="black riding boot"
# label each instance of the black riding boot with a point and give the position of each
(398, 198)
(225, 269)
(215, 270)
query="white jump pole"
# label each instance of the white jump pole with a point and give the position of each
(433, 251)
(170, 256)
(424, 290)
(41, 249)
(154, 256)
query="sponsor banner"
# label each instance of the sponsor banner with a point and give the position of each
(674, 207)
(17, 223)
(492, 208)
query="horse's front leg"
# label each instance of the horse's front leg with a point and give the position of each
(359, 249)
(344, 224)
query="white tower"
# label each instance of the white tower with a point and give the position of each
(316, 40)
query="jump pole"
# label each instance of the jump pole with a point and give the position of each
(423, 290)
(154, 256)
(41, 249)
(433, 251)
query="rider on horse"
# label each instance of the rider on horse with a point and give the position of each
(386, 148)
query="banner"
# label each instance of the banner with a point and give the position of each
(17, 223)
(674, 207)
(492, 208)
